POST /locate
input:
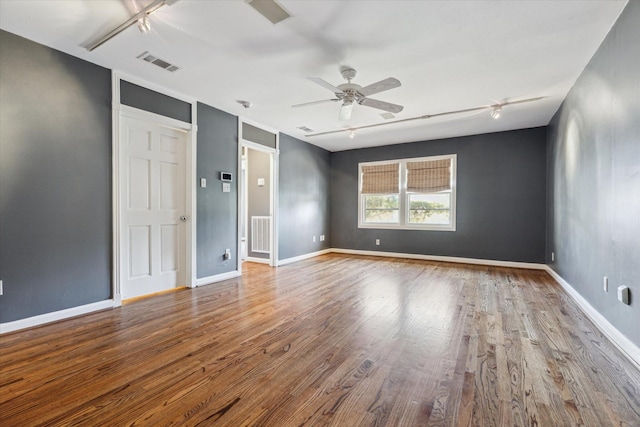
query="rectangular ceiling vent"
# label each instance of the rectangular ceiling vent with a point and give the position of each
(304, 128)
(146, 56)
(387, 116)
(270, 10)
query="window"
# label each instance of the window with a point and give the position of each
(408, 193)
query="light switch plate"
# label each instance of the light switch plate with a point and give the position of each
(226, 187)
(203, 182)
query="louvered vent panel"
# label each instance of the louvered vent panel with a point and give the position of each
(260, 234)
(165, 65)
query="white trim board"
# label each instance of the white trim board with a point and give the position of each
(627, 347)
(258, 260)
(302, 257)
(42, 319)
(458, 260)
(217, 278)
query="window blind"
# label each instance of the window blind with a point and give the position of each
(381, 179)
(429, 176)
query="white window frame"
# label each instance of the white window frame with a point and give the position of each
(403, 214)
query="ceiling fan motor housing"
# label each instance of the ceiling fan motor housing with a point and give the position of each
(348, 73)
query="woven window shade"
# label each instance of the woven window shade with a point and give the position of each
(429, 176)
(381, 179)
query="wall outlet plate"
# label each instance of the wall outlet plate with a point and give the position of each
(605, 284)
(623, 294)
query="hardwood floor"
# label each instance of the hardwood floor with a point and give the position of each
(335, 340)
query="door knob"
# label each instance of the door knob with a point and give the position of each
(183, 218)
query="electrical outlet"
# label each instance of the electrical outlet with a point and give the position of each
(322, 237)
(203, 182)
(1, 289)
(377, 242)
(314, 238)
(623, 294)
(605, 283)
(553, 256)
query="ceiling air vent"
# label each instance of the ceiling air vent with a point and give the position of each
(270, 10)
(387, 116)
(304, 128)
(146, 56)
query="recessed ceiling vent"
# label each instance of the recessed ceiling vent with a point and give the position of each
(304, 128)
(270, 10)
(388, 116)
(146, 56)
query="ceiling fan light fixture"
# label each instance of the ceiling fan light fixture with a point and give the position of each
(144, 25)
(496, 112)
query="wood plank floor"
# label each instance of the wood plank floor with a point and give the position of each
(337, 340)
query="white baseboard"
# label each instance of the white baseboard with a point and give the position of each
(217, 278)
(459, 260)
(302, 257)
(41, 319)
(258, 260)
(615, 336)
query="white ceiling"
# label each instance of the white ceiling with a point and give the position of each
(449, 55)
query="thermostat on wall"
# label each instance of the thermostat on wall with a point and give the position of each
(226, 176)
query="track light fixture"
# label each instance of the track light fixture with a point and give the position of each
(497, 110)
(144, 25)
(142, 18)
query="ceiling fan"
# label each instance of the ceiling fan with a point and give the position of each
(351, 93)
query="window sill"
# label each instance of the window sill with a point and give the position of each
(409, 227)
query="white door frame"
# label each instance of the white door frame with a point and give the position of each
(273, 191)
(119, 110)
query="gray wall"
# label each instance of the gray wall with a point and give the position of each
(594, 178)
(217, 212)
(304, 197)
(500, 198)
(149, 100)
(258, 200)
(55, 180)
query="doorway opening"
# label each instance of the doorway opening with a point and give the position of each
(258, 194)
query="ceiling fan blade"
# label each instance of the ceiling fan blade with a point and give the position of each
(325, 84)
(305, 104)
(381, 105)
(380, 86)
(345, 111)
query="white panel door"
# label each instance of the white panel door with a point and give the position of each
(152, 202)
